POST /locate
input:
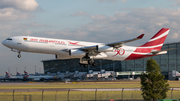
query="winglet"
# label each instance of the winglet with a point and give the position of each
(140, 36)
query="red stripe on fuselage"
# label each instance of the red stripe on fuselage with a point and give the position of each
(143, 50)
(146, 50)
(137, 56)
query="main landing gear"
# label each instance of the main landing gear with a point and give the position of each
(86, 65)
(91, 62)
(87, 61)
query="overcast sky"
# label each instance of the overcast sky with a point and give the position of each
(84, 20)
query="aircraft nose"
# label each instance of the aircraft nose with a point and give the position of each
(4, 42)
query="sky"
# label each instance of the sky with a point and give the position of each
(84, 20)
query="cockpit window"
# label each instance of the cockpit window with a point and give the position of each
(9, 39)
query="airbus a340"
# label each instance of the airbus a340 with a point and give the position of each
(88, 51)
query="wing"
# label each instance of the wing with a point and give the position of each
(96, 49)
(106, 46)
(120, 43)
(91, 50)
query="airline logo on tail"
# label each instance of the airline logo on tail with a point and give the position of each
(156, 42)
(18, 74)
(152, 46)
(26, 74)
(7, 75)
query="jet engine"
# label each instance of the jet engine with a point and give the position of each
(61, 57)
(76, 53)
(104, 48)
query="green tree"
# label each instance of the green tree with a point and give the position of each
(153, 85)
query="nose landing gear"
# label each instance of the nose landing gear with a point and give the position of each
(18, 51)
(19, 54)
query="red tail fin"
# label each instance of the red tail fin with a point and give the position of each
(156, 42)
(7, 75)
(26, 73)
(18, 74)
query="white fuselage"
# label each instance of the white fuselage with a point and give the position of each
(58, 47)
(87, 51)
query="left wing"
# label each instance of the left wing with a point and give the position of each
(96, 49)
(120, 43)
(109, 45)
(89, 48)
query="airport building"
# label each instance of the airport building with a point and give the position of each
(72, 65)
(168, 62)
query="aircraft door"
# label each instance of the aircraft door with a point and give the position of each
(19, 41)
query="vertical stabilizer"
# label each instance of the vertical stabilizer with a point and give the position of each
(7, 75)
(18, 74)
(26, 74)
(156, 42)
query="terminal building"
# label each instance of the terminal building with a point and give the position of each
(168, 62)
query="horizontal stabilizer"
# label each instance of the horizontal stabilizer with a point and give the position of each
(162, 51)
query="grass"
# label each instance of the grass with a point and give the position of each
(122, 84)
(134, 84)
(73, 95)
(78, 95)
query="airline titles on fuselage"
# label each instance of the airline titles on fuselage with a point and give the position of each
(45, 41)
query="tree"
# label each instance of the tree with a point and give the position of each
(153, 85)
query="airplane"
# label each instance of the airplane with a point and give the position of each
(18, 74)
(88, 51)
(6, 76)
(39, 77)
(10, 77)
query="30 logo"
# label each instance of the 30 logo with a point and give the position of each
(119, 51)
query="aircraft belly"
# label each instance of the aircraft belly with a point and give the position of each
(43, 48)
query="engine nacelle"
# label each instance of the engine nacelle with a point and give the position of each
(76, 53)
(104, 48)
(100, 55)
(61, 57)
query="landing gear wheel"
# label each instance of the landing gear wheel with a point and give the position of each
(19, 56)
(90, 62)
(94, 64)
(85, 66)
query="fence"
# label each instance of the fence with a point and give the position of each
(74, 95)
